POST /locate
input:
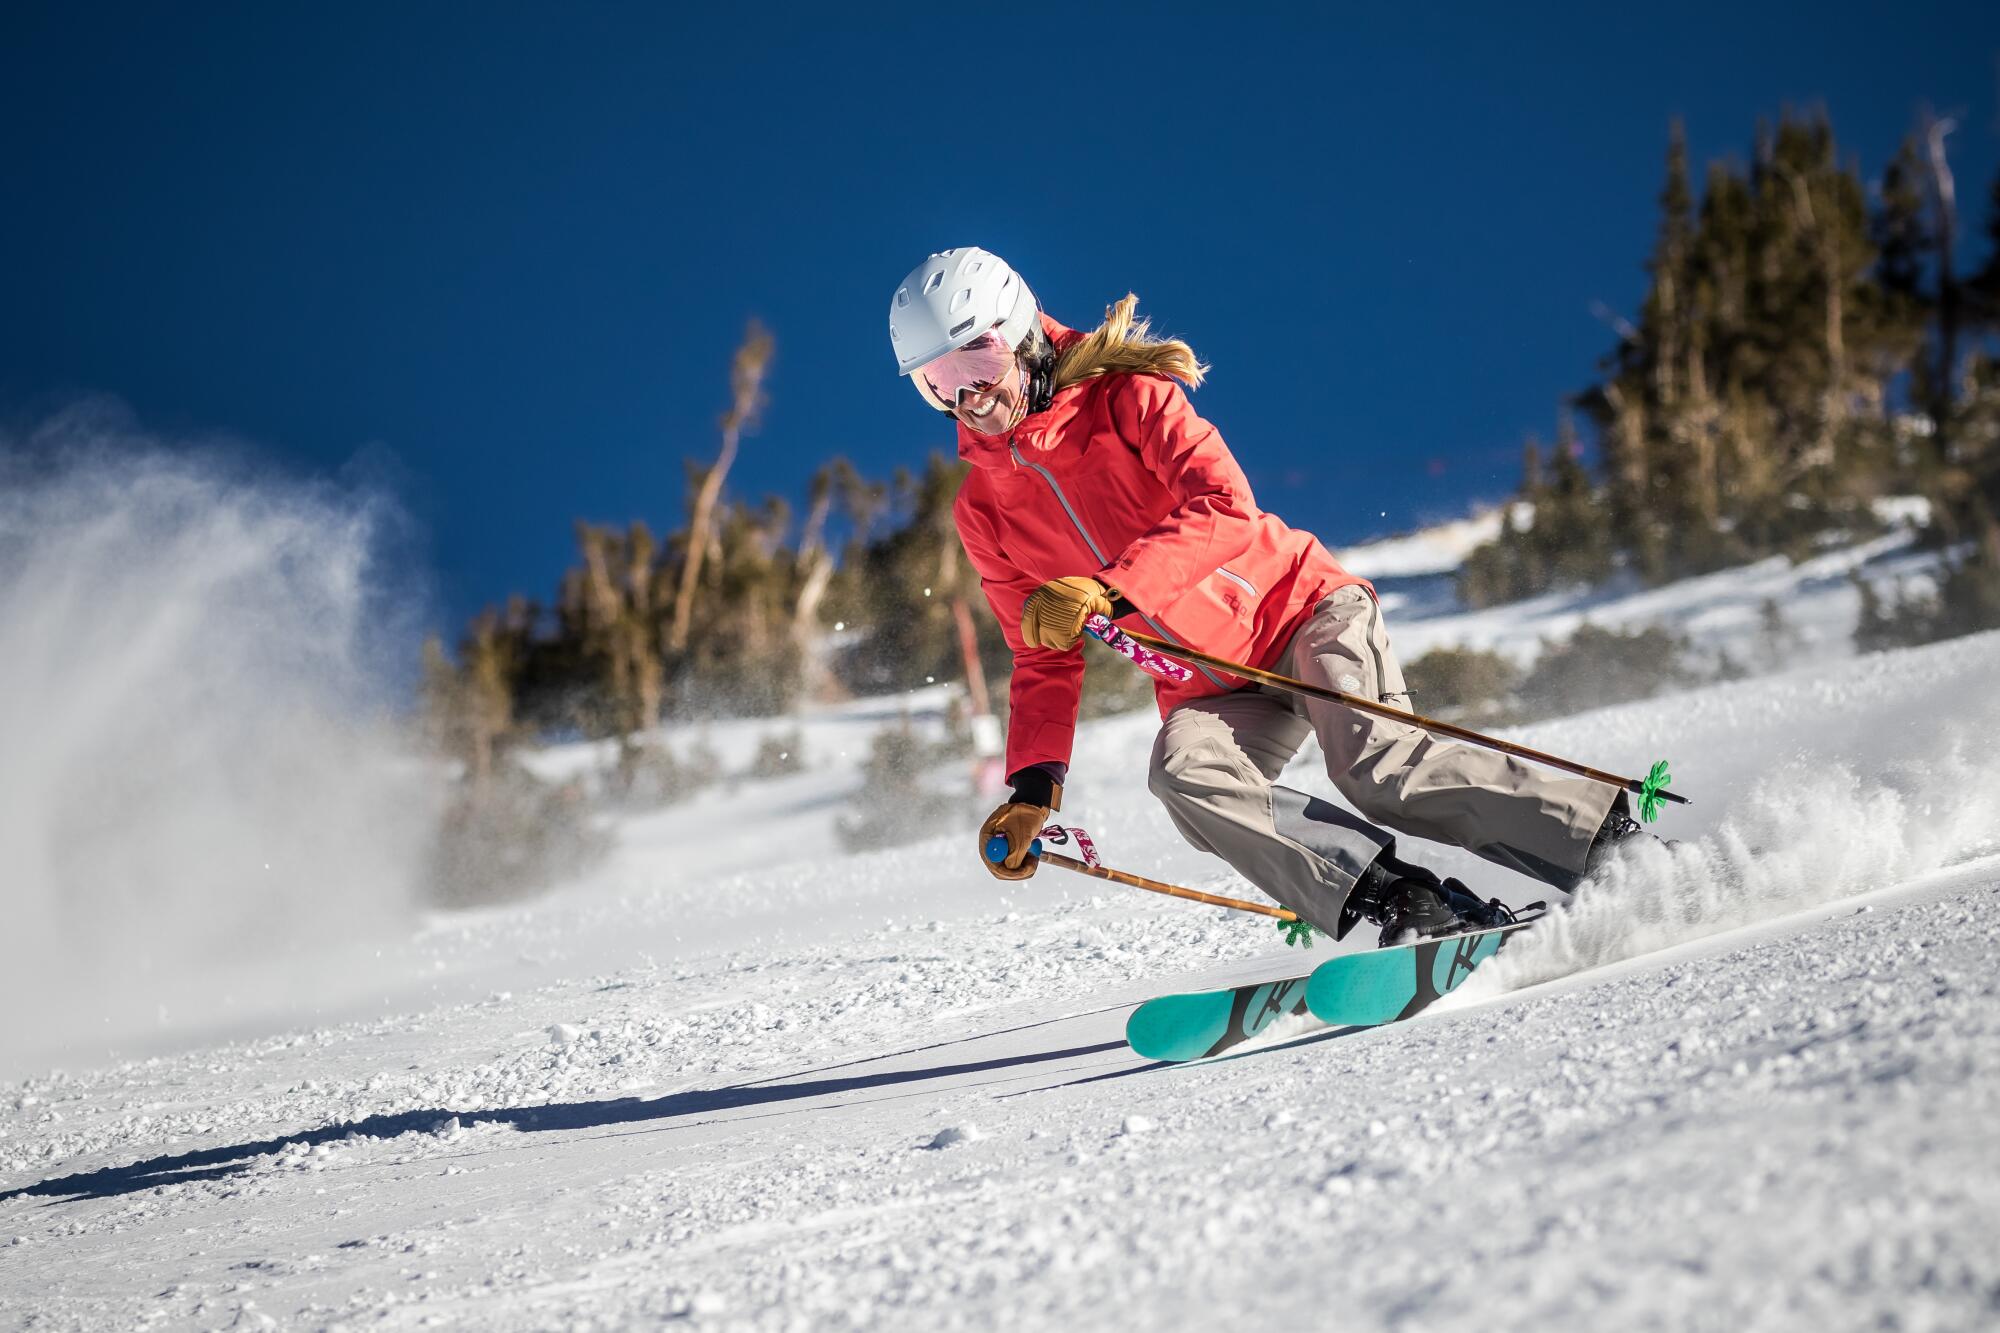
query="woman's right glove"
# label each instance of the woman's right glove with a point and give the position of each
(1054, 613)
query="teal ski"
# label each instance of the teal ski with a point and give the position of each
(1388, 985)
(1365, 989)
(1205, 1023)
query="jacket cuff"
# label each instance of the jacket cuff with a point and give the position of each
(1038, 784)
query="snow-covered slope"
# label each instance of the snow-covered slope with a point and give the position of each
(251, 877)
(1744, 1084)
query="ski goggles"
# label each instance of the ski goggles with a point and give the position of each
(972, 369)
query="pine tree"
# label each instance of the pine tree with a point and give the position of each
(1902, 237)
(616, 610)
(1572, 544)
(1944, 223)
(1668, 311)
(1746, 407)
(1720, 406)
(1982, 289)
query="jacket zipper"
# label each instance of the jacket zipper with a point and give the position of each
(1098, 552)
(1239, 581)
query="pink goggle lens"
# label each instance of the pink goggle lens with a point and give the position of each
(973, 368)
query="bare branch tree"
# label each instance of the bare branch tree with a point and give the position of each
(746, 380)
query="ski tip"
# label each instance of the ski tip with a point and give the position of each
(1176, 1028)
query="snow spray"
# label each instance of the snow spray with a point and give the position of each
(1872, 774)
(198, 784)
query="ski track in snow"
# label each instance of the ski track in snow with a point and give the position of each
(776, 1090)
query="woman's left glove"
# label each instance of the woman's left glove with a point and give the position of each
(1054, 613)
(1017, 822)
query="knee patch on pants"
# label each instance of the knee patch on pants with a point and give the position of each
(1185, 772)
(1192, 764)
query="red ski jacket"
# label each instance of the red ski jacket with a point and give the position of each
(1120, 479)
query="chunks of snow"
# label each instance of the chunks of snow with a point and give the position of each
(952, 1135)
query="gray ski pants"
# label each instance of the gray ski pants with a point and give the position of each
(1216, 763)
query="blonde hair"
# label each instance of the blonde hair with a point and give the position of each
(1123, 343)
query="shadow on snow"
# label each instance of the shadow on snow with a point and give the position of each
(236, 1158)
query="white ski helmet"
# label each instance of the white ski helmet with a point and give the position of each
(952, 298)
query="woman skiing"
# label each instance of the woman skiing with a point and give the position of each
(1095, 488)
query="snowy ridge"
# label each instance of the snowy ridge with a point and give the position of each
(1719, 613)
(1437, 549)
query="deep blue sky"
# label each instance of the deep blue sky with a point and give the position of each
(515, 245)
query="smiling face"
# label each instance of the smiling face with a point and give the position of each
(981, 384)
(995, 408)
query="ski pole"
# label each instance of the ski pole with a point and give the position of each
(996, 852)
(1651, 789)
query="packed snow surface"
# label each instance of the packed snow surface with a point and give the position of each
(735, 1079)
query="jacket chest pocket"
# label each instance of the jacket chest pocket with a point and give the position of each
(1242, 584)
(1223, 597)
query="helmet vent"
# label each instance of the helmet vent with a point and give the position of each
(955, 296)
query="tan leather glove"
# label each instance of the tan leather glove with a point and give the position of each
(1054, 613)
(1018, 822)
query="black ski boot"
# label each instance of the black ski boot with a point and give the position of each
(1617, 835)
(1410, 903)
